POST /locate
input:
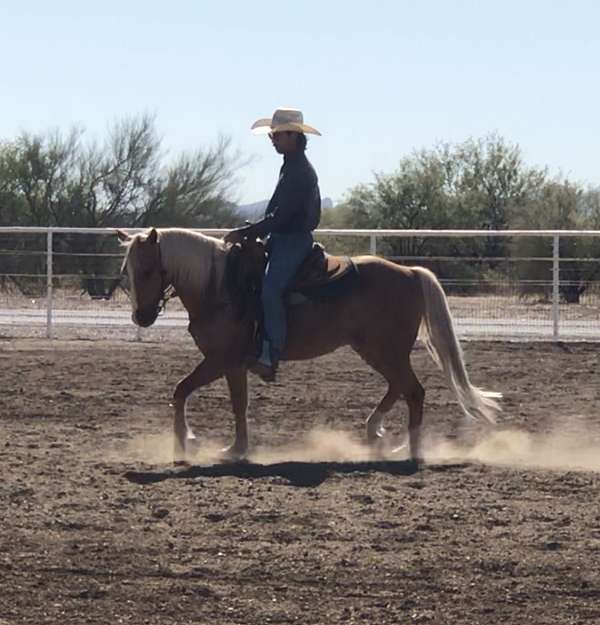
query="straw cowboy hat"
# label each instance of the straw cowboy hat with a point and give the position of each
(283, 120)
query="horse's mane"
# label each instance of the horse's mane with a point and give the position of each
(192, 260)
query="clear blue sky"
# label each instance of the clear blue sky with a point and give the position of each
(379, 79)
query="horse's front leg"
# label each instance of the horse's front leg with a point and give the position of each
(205, 373)
(237, 380)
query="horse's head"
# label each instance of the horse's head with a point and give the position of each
(146, 275)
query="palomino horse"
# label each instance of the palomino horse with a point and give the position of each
(380, 317)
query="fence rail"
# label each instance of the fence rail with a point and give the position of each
(489, 296)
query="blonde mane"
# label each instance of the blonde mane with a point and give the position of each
(190, 259)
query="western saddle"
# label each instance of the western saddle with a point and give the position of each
(320, 276)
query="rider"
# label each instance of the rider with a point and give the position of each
(292, 214)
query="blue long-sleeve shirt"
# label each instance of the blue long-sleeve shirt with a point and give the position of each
(296, 202)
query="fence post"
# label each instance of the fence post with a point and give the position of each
(555, 289)
(49, 284)
(373, 246)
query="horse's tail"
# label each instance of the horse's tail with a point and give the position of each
(438, 335)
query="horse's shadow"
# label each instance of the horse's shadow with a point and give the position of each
(297, 473)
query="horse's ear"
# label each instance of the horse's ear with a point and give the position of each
(123, 236)
(152, 237)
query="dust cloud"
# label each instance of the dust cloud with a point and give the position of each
(316, 446)
(559, 450)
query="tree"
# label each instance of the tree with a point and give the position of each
(196, 190)
(473, 185)
(413, 197)
(51, 180)
(560, 205)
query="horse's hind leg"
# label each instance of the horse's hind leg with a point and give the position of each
(402, 381)
(414, 394)
(237, 380)
(375, 429)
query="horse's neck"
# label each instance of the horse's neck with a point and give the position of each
(196, 271)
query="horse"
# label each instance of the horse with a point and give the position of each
(380, 317)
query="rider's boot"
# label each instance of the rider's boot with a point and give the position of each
(266, 365)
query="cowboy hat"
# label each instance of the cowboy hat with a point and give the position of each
(290, 120)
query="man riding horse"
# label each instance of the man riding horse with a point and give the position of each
(379, 313)
(293, 212)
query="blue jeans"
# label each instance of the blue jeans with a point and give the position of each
(287, 251)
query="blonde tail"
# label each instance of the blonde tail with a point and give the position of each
(438, 335)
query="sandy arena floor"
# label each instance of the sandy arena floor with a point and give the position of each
(500, 527)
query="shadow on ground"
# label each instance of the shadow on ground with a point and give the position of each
(297, 473)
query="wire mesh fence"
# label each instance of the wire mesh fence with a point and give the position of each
(537, 285)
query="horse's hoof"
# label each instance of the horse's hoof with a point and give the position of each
(233, 454)
(181, 462)
(192, 446)
(417, 463)
(376, 436)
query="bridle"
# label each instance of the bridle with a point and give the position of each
(167, 291)
(167, 294)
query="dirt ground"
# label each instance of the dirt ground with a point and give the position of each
(499, 526)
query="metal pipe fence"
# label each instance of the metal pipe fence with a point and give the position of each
(502, 284)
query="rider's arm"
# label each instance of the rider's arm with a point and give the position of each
(292, 194)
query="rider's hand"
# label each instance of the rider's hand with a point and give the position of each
(235, 236)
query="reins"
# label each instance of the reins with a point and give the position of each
(168, 291)
(168, 294)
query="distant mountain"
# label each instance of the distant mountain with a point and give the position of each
(253, 211)
(256, 210)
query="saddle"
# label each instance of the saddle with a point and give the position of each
(319, 271)
(320, 275)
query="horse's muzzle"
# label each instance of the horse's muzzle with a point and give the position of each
(145, 317)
